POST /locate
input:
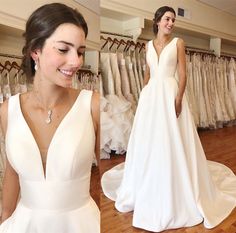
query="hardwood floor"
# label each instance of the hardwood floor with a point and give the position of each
(219, 145)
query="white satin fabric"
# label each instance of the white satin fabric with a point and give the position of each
(58, 201)
(166, 180)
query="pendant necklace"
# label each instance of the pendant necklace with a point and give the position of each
(162, 45)
(48, 120)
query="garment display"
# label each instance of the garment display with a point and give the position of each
(119, 108)
(232, 82)
(59, 200)
(125, 85)
(106, 125)
(210, 81)
(122, 81)
(166, 180)
(132, 79)
(2, 163)
(86, 79)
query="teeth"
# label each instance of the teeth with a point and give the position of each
(66, 72)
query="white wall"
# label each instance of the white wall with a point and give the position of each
(204, 19)
(14, 13)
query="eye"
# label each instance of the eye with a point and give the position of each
(80, 53)
(63, 50)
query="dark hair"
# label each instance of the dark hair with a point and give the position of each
(41, 25)
(158, 15)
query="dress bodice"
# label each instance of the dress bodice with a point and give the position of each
(69, 158)
(165, 65)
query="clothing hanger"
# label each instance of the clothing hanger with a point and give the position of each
(108, 39)
(130, 44)
(114, 41)
(137, 45)
(122, 42)
(7, 64)
(143, 46)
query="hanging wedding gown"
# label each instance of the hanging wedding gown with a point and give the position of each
(59, 201)
(166, 180)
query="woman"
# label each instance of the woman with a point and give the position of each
(167, 181)
(51, 132)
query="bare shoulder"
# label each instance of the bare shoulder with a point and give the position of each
(95, 101)
(180, 43)
(4, 115)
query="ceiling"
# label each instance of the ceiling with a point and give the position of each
(224, 5)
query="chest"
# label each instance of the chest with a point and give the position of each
(42, 131)
(68, 143)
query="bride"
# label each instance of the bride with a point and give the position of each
(166, 180)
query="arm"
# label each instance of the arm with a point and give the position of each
(147, 71)
(182, 75)
(96, 123)
(11, 186)
(146, 75)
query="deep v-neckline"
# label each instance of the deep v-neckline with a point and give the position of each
(159, 55)
(44, 171)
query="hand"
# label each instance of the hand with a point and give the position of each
(178, 106)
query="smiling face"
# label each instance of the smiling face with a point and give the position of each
(61, 55)
(166, 23)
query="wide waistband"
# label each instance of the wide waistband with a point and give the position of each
(161, 79)
(55, 195)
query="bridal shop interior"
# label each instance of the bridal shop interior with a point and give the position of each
(115, 64)
(207, 27)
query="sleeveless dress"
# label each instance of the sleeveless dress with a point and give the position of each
(58, 202)
(166, 180)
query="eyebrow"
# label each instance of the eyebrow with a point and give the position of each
(168, 17)
(68, 43)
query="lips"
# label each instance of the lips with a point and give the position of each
(68, 73)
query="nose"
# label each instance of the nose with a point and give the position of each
(76, 60)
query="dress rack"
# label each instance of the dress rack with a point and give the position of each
(192, 50)
(116, 34)
(228, 55)
(9, 65)
(118, 42)
(10, 56)
(199, 50)
(84, 71)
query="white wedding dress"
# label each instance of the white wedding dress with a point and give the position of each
(59, 201)
(166, 180)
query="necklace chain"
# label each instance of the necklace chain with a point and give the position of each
(48, 120)
(162, 45)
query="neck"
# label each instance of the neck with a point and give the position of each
(48, 94)
(162, 38)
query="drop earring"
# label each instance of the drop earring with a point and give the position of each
(35, 66)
